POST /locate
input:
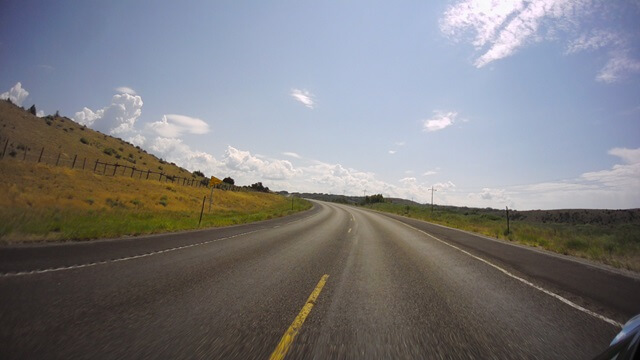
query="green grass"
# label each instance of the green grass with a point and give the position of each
(48, 203)
(617, 245)
(60, 224)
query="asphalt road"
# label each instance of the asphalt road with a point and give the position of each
(396, 288)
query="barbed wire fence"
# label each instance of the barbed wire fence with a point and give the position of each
(99, 166)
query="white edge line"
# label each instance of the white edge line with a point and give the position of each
(552, 294)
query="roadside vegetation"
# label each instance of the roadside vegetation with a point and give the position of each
(43, 202)
(611, 237)
(44, 199)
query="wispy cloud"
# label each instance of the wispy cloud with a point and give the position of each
(429, 173)
(292, 154)
(304, 97)
(125, 90)
(46, 67)
(392, 152)
(174, 125)
(16, 94)
(502, 27)
(620, 64)
(439, 121)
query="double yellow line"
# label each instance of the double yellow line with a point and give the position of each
(287, 339)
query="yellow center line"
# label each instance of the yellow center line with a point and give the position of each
(287, 339)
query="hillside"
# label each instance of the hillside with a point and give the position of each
(53, 197)
(28, 135)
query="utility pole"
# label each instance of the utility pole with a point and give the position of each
(508, 230)
(432, 190)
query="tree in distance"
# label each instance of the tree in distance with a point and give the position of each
(229, 180)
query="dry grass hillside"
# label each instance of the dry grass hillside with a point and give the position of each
(27, 135)
(44, 201)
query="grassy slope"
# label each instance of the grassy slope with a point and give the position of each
(64, 137)
(45, 202)
(616, 243)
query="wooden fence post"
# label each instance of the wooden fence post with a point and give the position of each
(25, 154)
(40, 157)
(96, 166)
(74, 161)
(133, 169)
(115, 167)
(5, 148)
(58, 160)
(148, 174)
(84, 162)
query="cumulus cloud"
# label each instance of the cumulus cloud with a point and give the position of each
(304, 97)
(439, 121)
(173, 125)
(125, 90)
(270, 169)
(292, 154)
(494, 195)
(137, 140)
(117, 118)
(175, 150)
(16, 94)
(40, 113)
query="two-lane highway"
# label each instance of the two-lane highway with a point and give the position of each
(393, 290)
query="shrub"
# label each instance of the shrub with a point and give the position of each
(198, 173)
(109, 151)
(229, 180)
(84, 140)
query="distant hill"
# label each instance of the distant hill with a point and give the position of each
(566, 216)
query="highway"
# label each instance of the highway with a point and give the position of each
(384, 286)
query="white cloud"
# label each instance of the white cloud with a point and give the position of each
(16, 94)
(303, 96)
(117, 118)
(125, 90)
(439, 121)
(173, 125)
(429, 173)
(493, 195)
(619, 65)
(502, 27)
(629, 156)
(40, 113)
(243, 161)
(175, 150)
(392, 152)
(137, 140)
(400, 143)
(292, 154)
(594, 40)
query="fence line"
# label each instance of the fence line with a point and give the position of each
(25, 153)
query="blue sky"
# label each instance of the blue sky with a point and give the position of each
(528, 104)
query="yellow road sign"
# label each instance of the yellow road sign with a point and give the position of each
(214, 181)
